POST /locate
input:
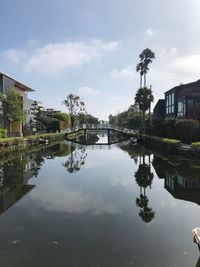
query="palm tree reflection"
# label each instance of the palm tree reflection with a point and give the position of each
(144, 178)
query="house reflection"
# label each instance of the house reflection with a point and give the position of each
(181, 177)
(14, 176)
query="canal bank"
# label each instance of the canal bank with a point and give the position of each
(14, 145)
(172, 146)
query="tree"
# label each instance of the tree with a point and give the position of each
(12, 106)
(140, 68)
(87, 118)
(39, 117)
(74, 105)
(143, 98)
(146, 57)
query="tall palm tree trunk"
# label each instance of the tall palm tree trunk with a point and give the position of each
(149, 111)
(140, 80)
(145, 79)
(143, 121)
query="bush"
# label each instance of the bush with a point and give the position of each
(195, 145)
(3, 133)
(171, 141)
(62, 117)
(185, 130)
(165, 144)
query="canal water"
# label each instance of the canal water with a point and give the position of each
(98, 206)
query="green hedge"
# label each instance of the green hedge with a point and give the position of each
(195, 145)
(3, 133)
(186, 130)
(165, 144)
(18, 143)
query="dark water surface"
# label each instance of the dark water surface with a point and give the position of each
(98, 206)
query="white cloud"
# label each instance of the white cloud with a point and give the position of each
(14, 55)
(54, 58)
(87, 91)
(187, 65)
(150, 32)
(124, 73)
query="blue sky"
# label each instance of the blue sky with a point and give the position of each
(91, 48)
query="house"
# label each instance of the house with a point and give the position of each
(159, 109)
(181, 101)
(6, 82)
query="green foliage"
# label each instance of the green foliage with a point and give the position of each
(86, 118)
(146, 57)
(185, 130)
(74, 105)
(10, 142)
(171, 141)
(165, 144)
(195, 145)
(62, 117)
(128, 119)
(13, 106)
(143, 98)
(3, 133)
(18, 143)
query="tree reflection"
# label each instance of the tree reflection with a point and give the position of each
(37, 161)
(144, 178)
(75, 160)
(198, 263)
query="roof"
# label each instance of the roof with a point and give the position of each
(182, 86)
(159, 102)
(19, 84)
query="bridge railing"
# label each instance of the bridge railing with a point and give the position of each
(99, 126)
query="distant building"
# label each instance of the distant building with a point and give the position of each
(181, 101)
(51, 111)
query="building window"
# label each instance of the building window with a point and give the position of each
(197, 103)
(170, 103)
(190, 103)
(181, 108)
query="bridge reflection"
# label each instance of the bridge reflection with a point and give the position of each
(93, 136)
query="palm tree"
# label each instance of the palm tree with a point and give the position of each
(146, 57)
(140, 68)
(143, 98)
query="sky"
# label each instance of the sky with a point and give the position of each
(91, 47)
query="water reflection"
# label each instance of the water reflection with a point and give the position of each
(198, 263)
(94, 217)
(181, 177)
(75, 160)
(144, 178)
(100, 137)
(15, 174)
